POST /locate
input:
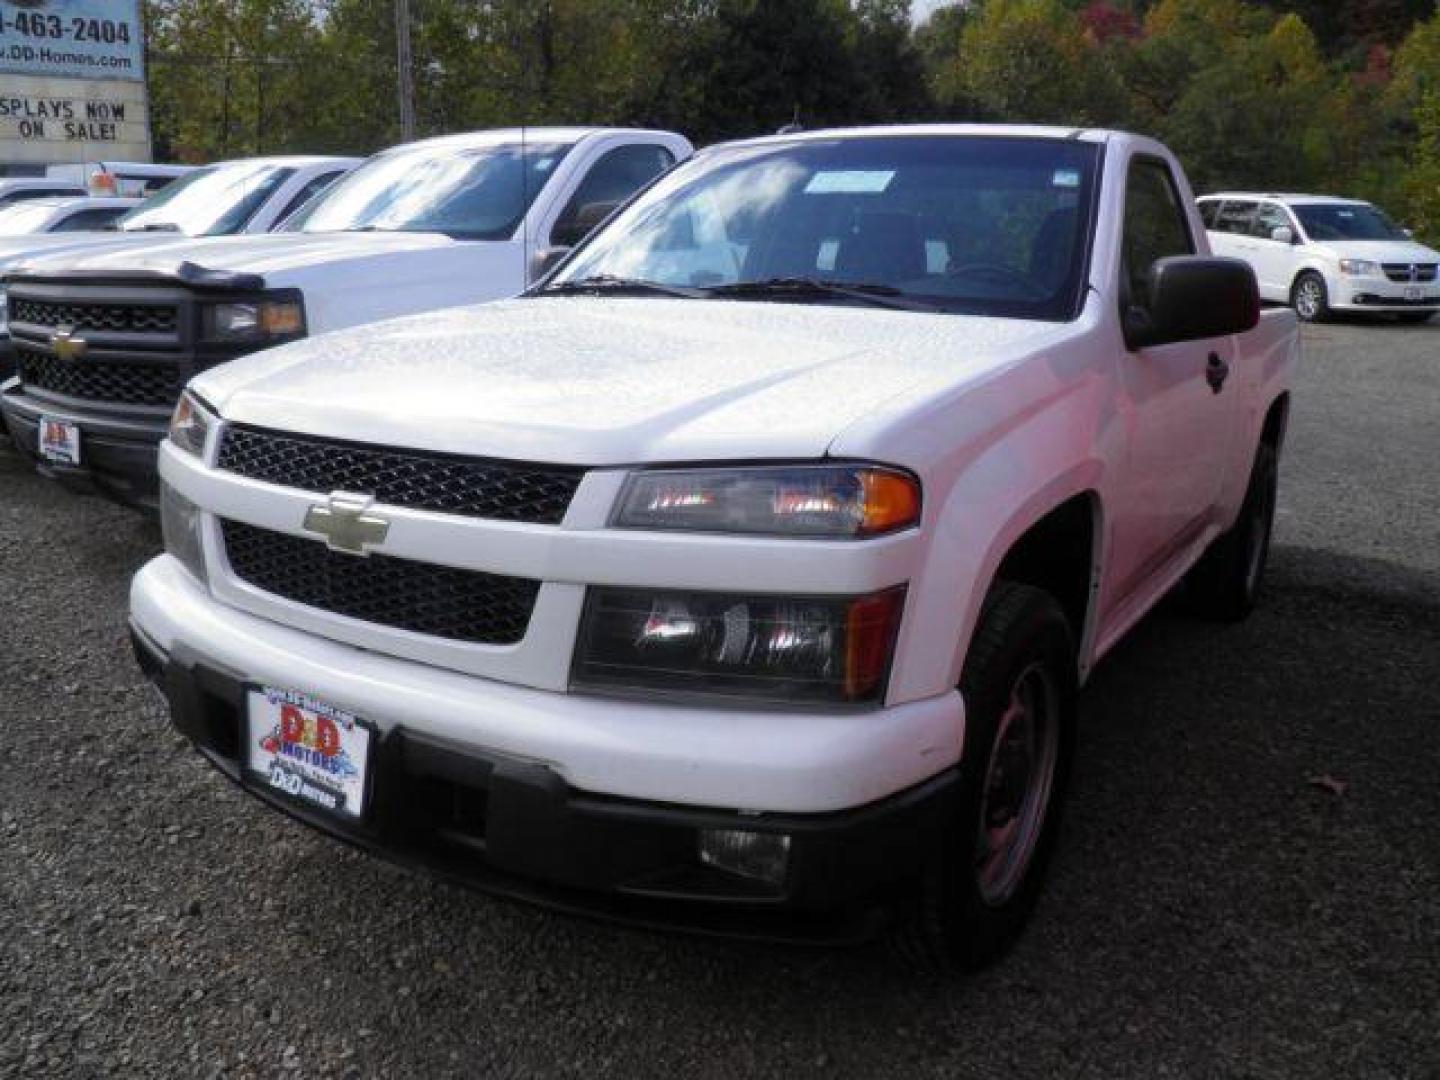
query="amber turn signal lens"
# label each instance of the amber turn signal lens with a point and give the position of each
(890, 501)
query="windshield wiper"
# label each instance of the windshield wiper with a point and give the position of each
(611, 283)
(865, 292)
(154, 226)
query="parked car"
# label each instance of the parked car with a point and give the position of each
(1322, 255)
(123, 178)
(455, 220)
(63, 214)
(248, 196)
(15, 189)
(742, 574)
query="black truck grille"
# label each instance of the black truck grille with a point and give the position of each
(486, 488)
(1403, 272)
(463, 605)
(95, 380)
(117, 318)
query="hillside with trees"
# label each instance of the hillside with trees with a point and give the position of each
(1308, 94)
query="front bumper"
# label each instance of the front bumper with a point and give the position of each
(515, 827)
(1384, 295)
(117, 451)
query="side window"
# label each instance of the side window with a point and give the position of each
(1269, 218)
(1155, 226)
(1235, 217)
(1209, 212)
(308, 191)
(614, 178)
(90, 219)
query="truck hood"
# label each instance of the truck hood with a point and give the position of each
(597, 381)
(39, 248)
(283, 259)
(1381, 251)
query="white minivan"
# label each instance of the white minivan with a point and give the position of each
(1322, 254)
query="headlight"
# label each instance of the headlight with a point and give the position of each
(784, 650)
(838, 501)
(257, 321)
(180, 526)
(1359, 268)
(191, 424)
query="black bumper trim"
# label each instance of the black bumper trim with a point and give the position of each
(117, 454)
(515, 829)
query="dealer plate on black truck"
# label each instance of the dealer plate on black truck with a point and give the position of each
(308, 750)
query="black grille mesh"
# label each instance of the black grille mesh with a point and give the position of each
(118, 318)
(501, 490)
(1401, 272)
(463, 605)
(93, 380)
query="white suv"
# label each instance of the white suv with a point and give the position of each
(1321, 254)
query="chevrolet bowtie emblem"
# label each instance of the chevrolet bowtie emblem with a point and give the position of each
(66, 345)
(346, 523)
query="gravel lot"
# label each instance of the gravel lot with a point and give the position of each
(1213, 911)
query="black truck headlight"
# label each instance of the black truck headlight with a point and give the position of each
(190, 425)
(826, 501)
(783, 650)
(271, 319)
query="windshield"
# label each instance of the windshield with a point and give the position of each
(213, 201)
(1346, 221)
(23, 218)
(993, 226)
(474, 194)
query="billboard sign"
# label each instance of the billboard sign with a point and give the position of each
(72, 82)
(78, 39)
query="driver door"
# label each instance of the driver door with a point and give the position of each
(1179, 423)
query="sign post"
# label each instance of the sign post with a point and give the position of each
(72, 82)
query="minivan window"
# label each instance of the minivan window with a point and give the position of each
(1346, 221)
(1235, 216)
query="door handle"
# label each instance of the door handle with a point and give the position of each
(1216, 372)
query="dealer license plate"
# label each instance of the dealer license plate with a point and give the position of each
(59, 441)
(1413, 293)
(311, 751)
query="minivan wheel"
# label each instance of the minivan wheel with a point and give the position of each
(1226, 581)
(1310, 298)
(981, 883)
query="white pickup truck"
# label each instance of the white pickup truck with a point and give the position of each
(455, 220)
(742, 574)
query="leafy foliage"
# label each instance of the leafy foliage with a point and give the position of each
(1284, 94)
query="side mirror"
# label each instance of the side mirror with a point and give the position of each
(573, 228)
(1283, 234)
(1194, 297)
(544, 260)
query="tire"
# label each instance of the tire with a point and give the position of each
(1414, 317)
(973, 900)
(1310, 298)
(1226, 582)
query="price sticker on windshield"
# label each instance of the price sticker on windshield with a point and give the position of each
(850, 182)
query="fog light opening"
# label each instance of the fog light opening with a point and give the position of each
(753, 855)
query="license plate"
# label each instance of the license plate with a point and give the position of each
(59, 441)
(308, 750)
(1414, 294)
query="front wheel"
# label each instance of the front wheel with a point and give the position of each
(1019, 687)
(1310, 298)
